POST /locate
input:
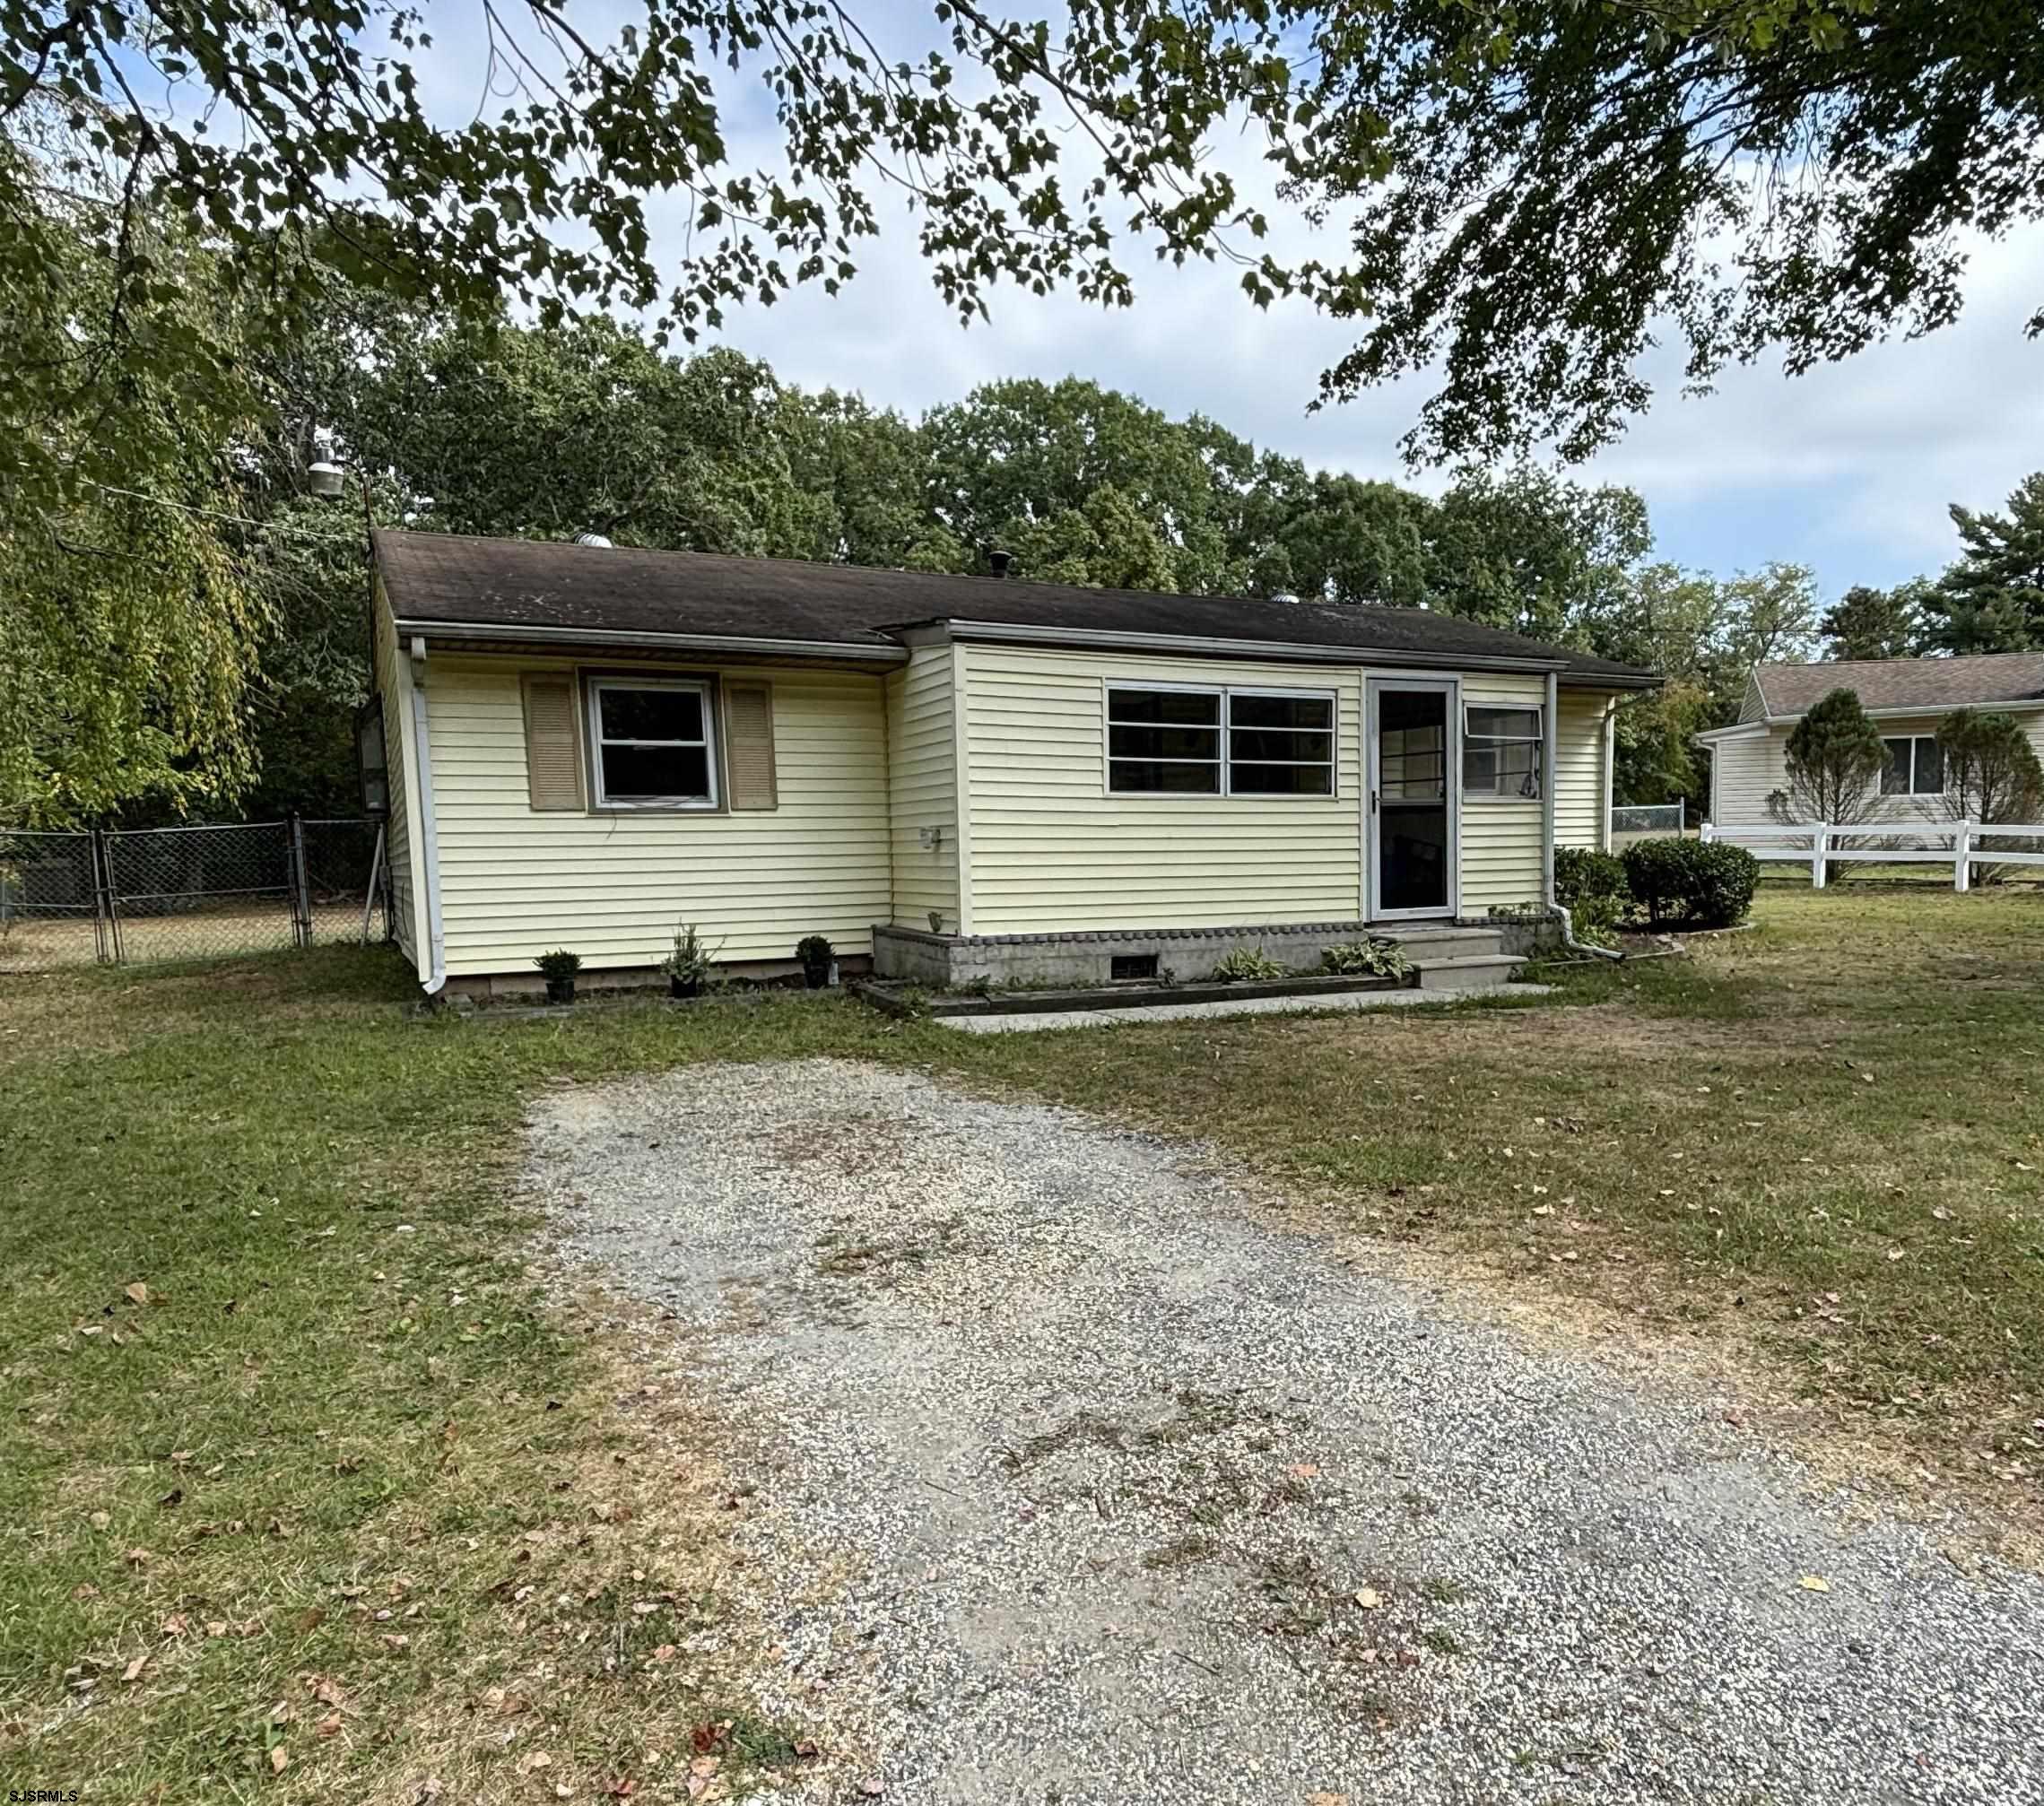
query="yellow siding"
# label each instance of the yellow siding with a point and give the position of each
(514, 883)
(1502, 864)
(1051, 851)
(392, 670)
(922, 788)
(1580, 805)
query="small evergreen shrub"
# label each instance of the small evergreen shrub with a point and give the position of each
(1249, 965)
(1376, 958)
(559, 964)
(1691, 883)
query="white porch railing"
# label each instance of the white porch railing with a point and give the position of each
(1819, 843)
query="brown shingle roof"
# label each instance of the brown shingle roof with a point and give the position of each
(1927, 684)
(526, 584)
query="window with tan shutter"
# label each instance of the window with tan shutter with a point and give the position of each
(554, 733)
(749, 745)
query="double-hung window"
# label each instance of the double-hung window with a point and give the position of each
(1502, 751)
(650, 745)
(1915, 767)
(1220, 742)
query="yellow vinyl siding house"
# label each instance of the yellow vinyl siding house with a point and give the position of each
(592, 745)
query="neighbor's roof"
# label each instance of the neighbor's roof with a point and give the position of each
(545, 590)
(1927, 684)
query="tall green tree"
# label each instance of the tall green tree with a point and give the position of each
(1992, 772)
(1991, 599)
(1081, 481)
(1531, 552)
(1835, 757)
(1866, 622)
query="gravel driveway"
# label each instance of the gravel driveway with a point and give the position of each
(1149, 1500)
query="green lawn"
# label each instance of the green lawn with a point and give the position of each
(284, 1391)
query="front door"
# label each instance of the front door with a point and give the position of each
(1411, 827)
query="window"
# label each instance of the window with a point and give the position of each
(1220, 742)
(1280, 744)
(1167, 740)
(1915, 767)
(1502, 752)
(651, 743)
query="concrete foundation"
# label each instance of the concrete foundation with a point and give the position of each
(1183, 955)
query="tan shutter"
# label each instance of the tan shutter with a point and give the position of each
(554, 734)
(749, 745)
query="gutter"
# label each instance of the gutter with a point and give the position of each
(1281, 651)
(460, 631)
(436, 976)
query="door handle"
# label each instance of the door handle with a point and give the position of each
(1373, 803)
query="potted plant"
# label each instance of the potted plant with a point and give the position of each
(688, 966)
(816, 954)
(559, 968)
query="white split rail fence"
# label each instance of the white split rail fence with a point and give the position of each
(1819, 843)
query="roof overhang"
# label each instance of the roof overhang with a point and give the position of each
(1745, 730)
(492, 635)
(1283, 651)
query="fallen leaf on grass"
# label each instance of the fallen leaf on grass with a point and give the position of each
(1815, 1582)
(1323, 1798)
(279, 1759)
(137, 1292)
(132, 1671)
(1368, 1599)
(1303, 1470)
(328, 1726)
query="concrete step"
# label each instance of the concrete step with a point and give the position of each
(1424, 944)
(1468, 971)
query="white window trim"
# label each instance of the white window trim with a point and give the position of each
(1915, 740)
(593, 720)
(1223, 691)
(1538, 742)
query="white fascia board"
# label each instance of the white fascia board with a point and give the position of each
(459, 631)
(1275, 651)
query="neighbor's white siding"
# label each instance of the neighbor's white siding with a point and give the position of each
(922, 789)
(1744, 773)
(1051, 851)
(1581, 806)
(1501, 863)
(612, 887)
(393, 684)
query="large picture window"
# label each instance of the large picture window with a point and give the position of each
(1502, 750)
(650, 744)
(1220, 742)
(1915, 767)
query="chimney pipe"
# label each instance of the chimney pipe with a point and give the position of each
(999, 562)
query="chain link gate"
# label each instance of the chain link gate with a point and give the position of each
(128, 894)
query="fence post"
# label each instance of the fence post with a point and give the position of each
(1820, 846)
(1709, 830)
(1962, 856)
(106, 898)
(301, 890)
(1681, 815)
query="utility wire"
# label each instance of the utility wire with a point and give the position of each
(215, 514)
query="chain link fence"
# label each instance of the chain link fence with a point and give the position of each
(1649, 818)
(136, 895)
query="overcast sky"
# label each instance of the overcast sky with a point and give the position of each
(1847, 469)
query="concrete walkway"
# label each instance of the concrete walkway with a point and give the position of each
(1022, 1022)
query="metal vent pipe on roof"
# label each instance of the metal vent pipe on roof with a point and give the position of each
(591, 539)
(999, 562)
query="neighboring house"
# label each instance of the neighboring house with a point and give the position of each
(588, 744)
(1906, 696)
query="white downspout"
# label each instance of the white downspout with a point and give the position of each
(436, 976)
(1550, 731)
